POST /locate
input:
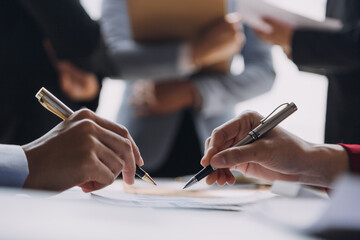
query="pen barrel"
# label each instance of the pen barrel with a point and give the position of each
(140, 172)
(246, 140)
(204, 172)
(273, 121)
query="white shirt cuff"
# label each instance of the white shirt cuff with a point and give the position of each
(13, 166)
(185, 64)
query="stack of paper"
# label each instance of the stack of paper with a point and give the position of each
(253, 11)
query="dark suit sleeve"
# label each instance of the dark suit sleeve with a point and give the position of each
(327, 52)
(73, 34)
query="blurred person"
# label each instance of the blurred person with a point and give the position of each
(85, 150)
(279, 155)
(46, 43)
(334, 54)
(175, 110)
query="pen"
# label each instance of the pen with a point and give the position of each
(54, 105)
(265, 126)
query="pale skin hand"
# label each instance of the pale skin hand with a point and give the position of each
(85, 150)
(77, 84)
(218, 43)
(281, 35)
(150, 98)
(279, 155)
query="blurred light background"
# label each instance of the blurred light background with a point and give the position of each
(307, 90)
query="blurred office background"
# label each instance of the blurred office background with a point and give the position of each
(307, 90)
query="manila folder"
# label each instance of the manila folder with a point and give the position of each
(163, 20)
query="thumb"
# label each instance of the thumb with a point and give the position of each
(231, 157)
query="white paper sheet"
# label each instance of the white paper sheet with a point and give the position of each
(115, 195)
(252, 12)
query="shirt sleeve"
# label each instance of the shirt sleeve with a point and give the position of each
(354, 156)
(314, 50)
(13, 166)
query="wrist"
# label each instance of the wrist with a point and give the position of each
(32, 154)
(328, 161)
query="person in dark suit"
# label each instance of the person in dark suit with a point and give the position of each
(45, 43)
(334, 54)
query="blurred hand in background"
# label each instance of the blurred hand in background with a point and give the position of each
(281, 35)
(219, 42)
(151, 98)
(77, 84)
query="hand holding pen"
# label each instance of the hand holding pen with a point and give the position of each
(111, 145)
(231, 146)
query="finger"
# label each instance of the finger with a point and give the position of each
(270, 21)
(123, 148)
(233, 17)
(221, 177)
(205, 161)
(230, 179)
(237, 155)
(113, 127)
(78, 73)
(97, 176)
(109, 158)
(211, 179)
(91, 186)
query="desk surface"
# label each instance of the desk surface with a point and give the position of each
(76, 215)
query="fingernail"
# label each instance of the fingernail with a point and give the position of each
(218, 161)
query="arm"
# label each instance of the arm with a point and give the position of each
(329, 51)
(314, 50)
(73, 35)
(13, 166)
(258, 77)
(136, 60)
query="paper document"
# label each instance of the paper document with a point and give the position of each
(177, 198)
(252, 12)
(164, 20)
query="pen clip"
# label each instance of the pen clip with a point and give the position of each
(54, 105)
(266, 118)
(52, 109)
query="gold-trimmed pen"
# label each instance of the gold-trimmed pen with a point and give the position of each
(54, 105)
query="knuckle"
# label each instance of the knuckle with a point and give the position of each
(218, 133)
(90, 142)
(127, 144)
(123, 131)
(85, 114)
(250, 115)
(87, 126)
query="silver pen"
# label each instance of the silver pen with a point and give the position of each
(265, 126)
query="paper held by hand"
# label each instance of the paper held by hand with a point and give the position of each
(254, 11)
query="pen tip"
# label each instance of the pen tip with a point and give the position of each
(148, 179)
(191, 182)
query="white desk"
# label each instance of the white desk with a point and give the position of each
(76, 215)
